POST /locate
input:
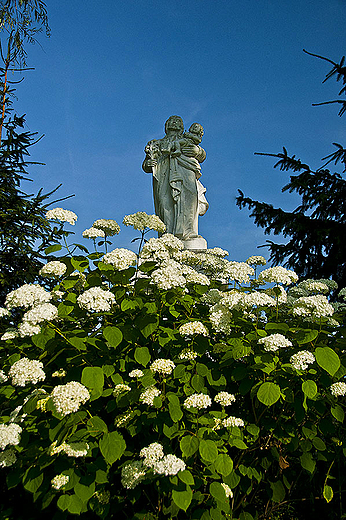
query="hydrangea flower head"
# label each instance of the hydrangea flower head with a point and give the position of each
(93, 233)
(142, 221)
(162, 366)
(108, 226)
(96, 299)
(274, 342)
(64, 215)
(198, 401)
(26, 371)
(53, 269)
(301, 360)
(193, 327)
(68, 398)
(120, 258)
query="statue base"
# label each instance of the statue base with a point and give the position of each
(197, 245)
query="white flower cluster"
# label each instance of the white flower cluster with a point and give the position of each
(155, 250)
(4, 312)
(224, 398)
(68, 398)
(28, 329)
(96, 299)
(149, 394)
(136, 373)
(169, 465)
(274, 342)
(121, 389)
(187, 354)
(220, 318)
(103, 496)
(59, 373)
(256, 260)
(53, 269)
(122, 419)
(337, 389)
(171, 242)
(212, 297)
(73, 449)
(239, 272)
(217, 251)
(3, 377)
(193, 327)
(27, 296)
(228, 491)
(64, 215)
(316, 306)
(233, 421)
(120, 258)
(132, 474)
(142, 221)
(152, 454)
(162, 366)
(59, 481)
(26, 371)
(314, 286)
(168, 276)
(7, 458)
(41, 313)
(93, 233)
(9, 435)
(302, 359)
(108, 226)
(278, 274)
(193, 276)
(278, 293)
(9, 334)
(198, 401)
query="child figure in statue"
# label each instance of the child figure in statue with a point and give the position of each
(194, 134)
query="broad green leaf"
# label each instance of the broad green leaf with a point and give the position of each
(253, 429)
(244, 515)
(93, 379)
(112, 446)
(306, 336)
(186, 477)
(282, 327)
(218, 492)
(84, 492)
(189, 445)
(53, 248)
(338, 413)
(307, 462)
(232, 479)
(33, 479)
(147, 324)
(75, 505)
(309, 388)
(142, 355)
(113, 336)
(223, 464)
(101, 477)
(182, 498)
(278, 491)
(319, 444)
(96, 425)
(328, 493)
(208, 450)
(268, 393)
(80, 263)
(238, 443)
(63, 502)
(327, 359)
(174, 407)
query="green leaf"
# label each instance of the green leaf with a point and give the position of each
(253, 429)
(93, 379)
(33, 479)
(186, 477)
(112, 446)
(96, 425)
(52, 248)
(223, 464)
(142, 355)
(174, 407)
(75, 505)
(113, 336)
(182, 499)
(63, 502)
(307, 462)
(282, 327)
(189, 445)
(268, 393)
(84, 492)
(319, 444)
(327, 493)
(327, 359)
(338, 413)
(147, 324)
(238, 443)
(278, 491)
(218, 492)
(80, 263)
(208, 450)
(309, 388)
(306, 336)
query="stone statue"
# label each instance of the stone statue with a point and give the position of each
(179, 196)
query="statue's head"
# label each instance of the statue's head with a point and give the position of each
(174, 123)
(196, 128)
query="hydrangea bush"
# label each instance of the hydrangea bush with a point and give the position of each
(171, 384)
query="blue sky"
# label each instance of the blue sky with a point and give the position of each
(113, 71)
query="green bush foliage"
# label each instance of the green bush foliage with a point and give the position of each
(166, 388)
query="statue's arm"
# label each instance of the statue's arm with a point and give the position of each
(147, 165)
(201, 154)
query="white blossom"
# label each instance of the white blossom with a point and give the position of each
(10, 334)
(169, 465)
(59, 481)
(149, 394)
(122, 419)
(212, 297)
(171, 242)
(316, 306)
(162, 366)
(68, 398)
(256, 260)
(197, 401)
(3, 377)
(26, 371)
(103, 496)
(220, 318)
(9, 435)
(121, 389)
(187, 354)
(152, 454)
(278, 274)
(96, 299)
(193, 327)
(73, 449)
(142, 221)
(132, 474)
(239, 271)
(228, 491)
(109, 226)
(41, 313)
(3, 312)
(155, 250)
(258, 299)
(28, 329)
(169, 276)
(233, 421)
(93, 233)
(27, 296)
(337, 389)
(53, 269)
(64, 215)
(278, 293)
(274, 342)
(302, 359)
(224, 398)
(136, 373)
(120, 258)
(217, 251)
(7, 458)
(59, 373)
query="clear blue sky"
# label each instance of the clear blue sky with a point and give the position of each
(113, 71)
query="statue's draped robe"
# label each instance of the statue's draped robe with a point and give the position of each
(178, 194)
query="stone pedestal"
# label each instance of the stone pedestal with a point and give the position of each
(197, 245)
